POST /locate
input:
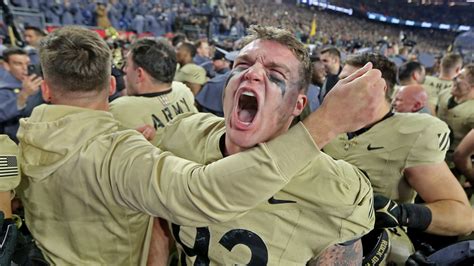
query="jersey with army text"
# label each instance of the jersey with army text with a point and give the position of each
(155, 109)
(328, 202)
(459, 117)
(434, 86)
(400, 141)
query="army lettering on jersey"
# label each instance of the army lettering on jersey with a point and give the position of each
(154, 109)
(170, 112)
(434, 86)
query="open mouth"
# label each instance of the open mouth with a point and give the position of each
(247, 108)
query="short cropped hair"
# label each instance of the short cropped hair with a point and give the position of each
(75, 59)
(189, 47)
(157, 58)
(450, 61)
(333, 51)
(407, 69)
(470, 73)
(12, 51)
(37, 30)
(286, 38)
(380, 62)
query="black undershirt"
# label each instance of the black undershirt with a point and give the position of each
(351, 135)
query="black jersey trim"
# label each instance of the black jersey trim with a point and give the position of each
(354, 134)
(154, 94)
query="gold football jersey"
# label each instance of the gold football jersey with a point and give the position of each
(328, 202)
(434, 86)
(400, 141)
(155, 109)
(460, 117)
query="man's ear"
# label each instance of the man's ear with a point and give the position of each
(300, 104)
(6, 66)
(113, 86)
(417, 106)
(46, 92)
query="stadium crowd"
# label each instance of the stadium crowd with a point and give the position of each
(189, 130)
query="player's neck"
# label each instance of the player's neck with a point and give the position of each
(384, 109)
(467, 97)
(446, 76)
(153, 88)
(88, 100)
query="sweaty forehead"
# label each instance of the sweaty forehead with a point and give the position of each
(269, 53)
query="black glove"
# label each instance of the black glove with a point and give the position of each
(8, 238)
(388, 213)
(419, 259)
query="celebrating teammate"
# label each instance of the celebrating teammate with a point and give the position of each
(403, 154)
(320, 215)
(154, 98)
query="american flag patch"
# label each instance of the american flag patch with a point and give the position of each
(8, 166)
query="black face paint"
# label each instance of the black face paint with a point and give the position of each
(279, 82)
(232, 73)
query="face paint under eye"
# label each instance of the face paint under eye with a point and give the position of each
(279, 82)
(233, 72)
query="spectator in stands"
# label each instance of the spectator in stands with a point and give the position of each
(411, 73)
(451, 65)
(456, 106)
(209, 99)
(189, 73)
(220, 63)
(202, 52)
(319, 72)
(331, 58)
(33, 36)
(203, 58)
(16, 90)
(101, 11)
(411, 99)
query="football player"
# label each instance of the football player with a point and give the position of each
(403, 154)
(154, 99)
(320, 215)
(456, 107)
(450, 67)
(9, 180)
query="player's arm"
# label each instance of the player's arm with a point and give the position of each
(340, 254)
(160, 245)
(451, 213)
(462, 156)
(195, 88)
(9, 179)
(147, 179)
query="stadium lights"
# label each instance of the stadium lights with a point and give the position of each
(444, 26)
